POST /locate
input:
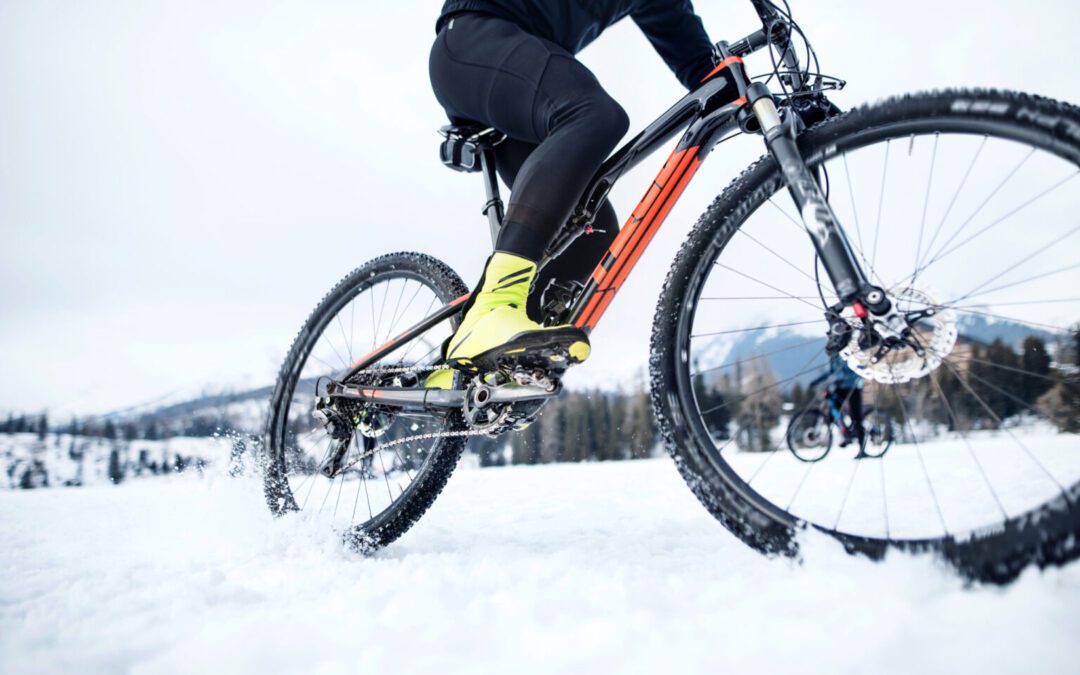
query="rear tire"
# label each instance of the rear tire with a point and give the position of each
(290, 394)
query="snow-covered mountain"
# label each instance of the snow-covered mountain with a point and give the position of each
(793, 351)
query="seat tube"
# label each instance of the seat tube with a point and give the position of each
(493, 207)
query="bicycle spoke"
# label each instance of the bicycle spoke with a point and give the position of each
(772, 453)
(1053, 301)
(1033, 324)
(771, 386)
(356, 500)
(926, 205)
(1041, 249)
(374, 325)
(363, 482)
(854, 211)
(348, 345)
(757, 328)
(759, 356)
(967, 444)
(847, 493)
(1006, 217)
(798, 488)
(1013, 284)
(386, 477)
(337, 502)
(777, 255)
(382, 310)
(998, 420)
(952, 202)
(325, 337)
(884, 499)
(974, 213)
(860, 247)
(881, 203)
(1001, 366)
(405, 311)
(802, 228)
(761, 297)
(918, 453)
(415, 341)
(767, 285)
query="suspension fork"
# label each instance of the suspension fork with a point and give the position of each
(847, 277)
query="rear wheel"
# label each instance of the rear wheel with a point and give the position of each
(879, 431)
(383, 487)
(962, 203)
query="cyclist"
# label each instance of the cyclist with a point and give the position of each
(845, 385)
(510, 64)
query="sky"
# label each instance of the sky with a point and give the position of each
(180, 183)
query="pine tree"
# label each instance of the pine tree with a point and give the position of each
(43, 426)
(116, 469)
(995, 379)
(760, 409)
(1061, 404)
(1035, 362)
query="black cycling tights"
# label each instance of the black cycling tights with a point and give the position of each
(560, 124)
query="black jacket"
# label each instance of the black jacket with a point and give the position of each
(671, 26)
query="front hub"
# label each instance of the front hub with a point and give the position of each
(909, 341)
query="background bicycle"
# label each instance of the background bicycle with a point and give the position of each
(810, 434)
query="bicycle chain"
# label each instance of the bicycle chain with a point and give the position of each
(414, 437)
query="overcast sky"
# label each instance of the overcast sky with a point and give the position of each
(180, 182)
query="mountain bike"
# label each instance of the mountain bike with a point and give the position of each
(946, 233)
(809, 434)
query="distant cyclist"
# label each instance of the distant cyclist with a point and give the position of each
(845, 385)
(509, 64)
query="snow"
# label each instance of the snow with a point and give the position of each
(1020, 469)
(609, 567)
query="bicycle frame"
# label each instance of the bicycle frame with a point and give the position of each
(726, 101)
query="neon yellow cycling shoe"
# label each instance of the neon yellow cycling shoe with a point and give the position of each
(496, 331)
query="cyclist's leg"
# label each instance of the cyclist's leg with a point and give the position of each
(489, 70)
(855, 409)
(579, 260)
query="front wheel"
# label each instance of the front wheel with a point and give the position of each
(962, 203)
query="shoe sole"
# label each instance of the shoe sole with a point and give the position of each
(552, 350)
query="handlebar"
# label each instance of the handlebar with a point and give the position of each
(776, 31)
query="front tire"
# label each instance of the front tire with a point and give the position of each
(1046, 534)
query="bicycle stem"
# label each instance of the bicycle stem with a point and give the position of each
(821, 223)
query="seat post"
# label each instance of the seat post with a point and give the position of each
(493, 208)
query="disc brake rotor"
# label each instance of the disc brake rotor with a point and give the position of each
(933, 328)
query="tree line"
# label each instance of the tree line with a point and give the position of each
(578, 426)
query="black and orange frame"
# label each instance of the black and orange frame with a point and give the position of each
(722, 104)
(710, 111)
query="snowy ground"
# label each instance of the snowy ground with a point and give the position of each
(566, 568)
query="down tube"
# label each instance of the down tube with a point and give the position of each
(636, 234)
